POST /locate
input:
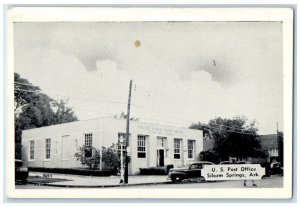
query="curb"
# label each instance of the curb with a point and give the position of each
(98, 186)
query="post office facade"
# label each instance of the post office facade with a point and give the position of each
(150, 145)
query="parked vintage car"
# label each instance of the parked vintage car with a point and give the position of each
(21, 173)
(193, 171)
(225, 163)
(229, 163)
(276, 169)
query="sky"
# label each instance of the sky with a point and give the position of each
(182, 72)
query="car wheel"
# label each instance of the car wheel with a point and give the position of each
(176, 179)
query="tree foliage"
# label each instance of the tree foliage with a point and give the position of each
(33, 109)
(111, 157)
(124, 116)
(89, 156)
(233, 138)
(209, 155)
(203, 127)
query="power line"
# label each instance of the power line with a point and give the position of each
(85, 98)
(105, 101)
(220, 125)
(90, 99)
(25, 84)
(141, 107)
(220, 129)
(18, 89)
(231, 127)
(66, 96)
(95, 94)
(100, 111)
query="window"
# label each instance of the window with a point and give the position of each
(141, 147)
(31, 150)
(177, 143)
(119, 140)
(88, 139)
(191, 149)
(195, 166)
(48, 148)
(88, 143)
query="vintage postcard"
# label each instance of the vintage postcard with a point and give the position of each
(149, 102)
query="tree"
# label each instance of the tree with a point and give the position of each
(63, 114)
(203, 127)
(235, 138)
(209, 155)
(111, 157)
(33, 109)
(124, 116)
(88, 156)
(280, 147)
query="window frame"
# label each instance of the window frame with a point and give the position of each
(47, 147)
(31, 149)
(88, 136)
(177, 146)
(192, 151)
(141, 146)
(88, 142)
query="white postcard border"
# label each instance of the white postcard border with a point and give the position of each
(67, 14)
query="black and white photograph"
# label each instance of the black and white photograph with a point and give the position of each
(140, 101)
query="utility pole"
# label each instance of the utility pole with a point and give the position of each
(277, 140)
(278, 145)
(122, 160)
(127, 134)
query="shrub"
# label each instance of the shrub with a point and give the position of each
(111, 157)
(89, 156)
(209, 155)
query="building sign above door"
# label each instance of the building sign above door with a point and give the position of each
(160, 130)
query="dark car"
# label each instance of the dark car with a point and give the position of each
(229, 163)
(193, 171)
(276, 169)
(21, 173)
(225, 163)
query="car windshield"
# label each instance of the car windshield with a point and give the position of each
(194, 166)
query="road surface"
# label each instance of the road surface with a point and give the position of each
(270, 182)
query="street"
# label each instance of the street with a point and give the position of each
(270, 182)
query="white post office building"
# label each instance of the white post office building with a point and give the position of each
(150, 145)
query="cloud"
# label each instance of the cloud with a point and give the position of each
(185, 71)
(182, 46)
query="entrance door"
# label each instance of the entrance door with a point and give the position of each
(161, 157)
(67, 151)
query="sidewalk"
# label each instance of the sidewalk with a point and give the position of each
(92, 181)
